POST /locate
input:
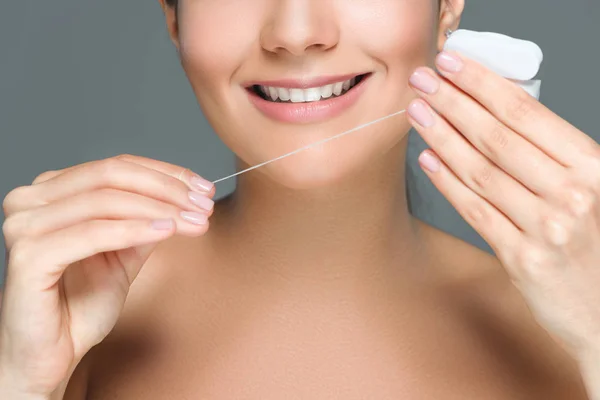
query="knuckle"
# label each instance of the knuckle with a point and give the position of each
(13, 198)
(21, 254)
(104, 195)
(594, 167)
(11, 228)
(579, 201)
(482, 177)
(520, 106)
(106, 169)
(477, 214)
(596, 180)
(557, 228)
(125, 157)
(184, 173)
(595, 152)
(44, 176)
(533, 262)
(497, 139)
(591, 149)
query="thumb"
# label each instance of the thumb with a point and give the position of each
(134, 258)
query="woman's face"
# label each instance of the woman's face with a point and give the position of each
(268, 75)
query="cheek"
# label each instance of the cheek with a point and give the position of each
(397, 33)
(210, 49)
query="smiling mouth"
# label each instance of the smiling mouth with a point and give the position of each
(308, 95)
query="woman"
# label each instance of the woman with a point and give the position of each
(314, 281)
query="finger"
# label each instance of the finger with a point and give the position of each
(108, 173)
(493, 226)
(100, 204)
(44, 176)
(193, 180)
(477, 172)
(41, 262)
(516, 109)
(507, 149)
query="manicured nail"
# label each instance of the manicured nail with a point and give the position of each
(200, 183)
(201, 201)
(429, 161)
(420, 113)
(448, 62)
(194, 218)
(423, 81)
(163, 224)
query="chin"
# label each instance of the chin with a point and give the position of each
(334, 163)
(308, 176)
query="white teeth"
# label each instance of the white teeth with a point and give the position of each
(296, 95)
(313, 94)
(307, 95)
(274, 93)
(284, 94)
(337, 88)
(327, 91)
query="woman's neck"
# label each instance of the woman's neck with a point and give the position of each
(357, 227)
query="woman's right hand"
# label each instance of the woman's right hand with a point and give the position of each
(76, 239)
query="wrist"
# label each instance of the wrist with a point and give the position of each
(9, 389)
(12, 392)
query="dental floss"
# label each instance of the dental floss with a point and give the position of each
(311, 145)
(515, 59)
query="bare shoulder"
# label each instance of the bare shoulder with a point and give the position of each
(152, 304)
(478, 285)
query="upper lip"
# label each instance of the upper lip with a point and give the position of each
(303, 83)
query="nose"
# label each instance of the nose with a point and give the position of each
(300, 26)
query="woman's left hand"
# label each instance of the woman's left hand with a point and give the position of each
(526, 180)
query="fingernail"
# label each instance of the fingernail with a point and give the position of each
(163, 224)
(194, 218)
(424, 82)
(201, 201)
(420, 113)
(200, 183)
(448, 62)
(429, 161)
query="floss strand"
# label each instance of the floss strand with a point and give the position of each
(310, 146)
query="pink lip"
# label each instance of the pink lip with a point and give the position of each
(313, 112)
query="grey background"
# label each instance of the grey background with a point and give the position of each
(88, 79)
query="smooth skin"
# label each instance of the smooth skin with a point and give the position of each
(77, 239)
(543, 227)
(313, 280)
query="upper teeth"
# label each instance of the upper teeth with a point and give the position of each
(307, 95)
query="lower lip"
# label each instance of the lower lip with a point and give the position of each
(306, 113)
